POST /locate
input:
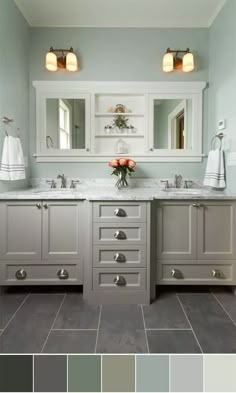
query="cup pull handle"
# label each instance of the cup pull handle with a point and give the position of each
(63, 274)
(119, 257)
(120, 235)
(119, 212)
(21, 274)
(119, 281)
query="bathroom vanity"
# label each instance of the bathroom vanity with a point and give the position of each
(118, 244)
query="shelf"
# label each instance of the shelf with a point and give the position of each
(119, 136)
(105, 114)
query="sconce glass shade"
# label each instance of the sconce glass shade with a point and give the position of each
(188, 62)
(51, 61)
(168, 62)
(71, 62)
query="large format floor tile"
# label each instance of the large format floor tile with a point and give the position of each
(172, 341)
(9, 303)
(28, 330)
(228, 300)
(165, 313)
(71, 341)
(121, 330)
(77, 314)
(215, 331)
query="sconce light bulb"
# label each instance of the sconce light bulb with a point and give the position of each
(168, 62)
(51, 61)
(188, 62)
(71, 61)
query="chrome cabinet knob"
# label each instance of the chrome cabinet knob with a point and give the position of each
(119, 281)
(120, 235)
(119, 257)
(197, 205)
(39, 206)
(175, 273)
(45, 206)
(63, 274)
(120, 212)
(21, 274)
(217, 274)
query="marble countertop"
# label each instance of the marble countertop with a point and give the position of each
(111, 193)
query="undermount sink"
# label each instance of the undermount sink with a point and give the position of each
(189, 191)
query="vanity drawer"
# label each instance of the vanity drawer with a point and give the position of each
(23, 274)
(113, 234)
(128, 256)
(119, 279)
(119, 212)
(199, 274)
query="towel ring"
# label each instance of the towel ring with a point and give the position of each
(215, 138)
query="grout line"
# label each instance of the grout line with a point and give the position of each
(99, 321)
(53, 323)
(169, 329)
(74, 330)
(189, 323)
(15, 313)
(223, 307)
(145, 330)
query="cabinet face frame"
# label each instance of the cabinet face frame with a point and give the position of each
(89, 90)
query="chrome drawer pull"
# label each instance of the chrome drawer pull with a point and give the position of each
(120, 212)
(118, 257)
(21, 274)
(63, 274)
(120, 281)
(217, 274)
(120, 235)
(39, 206)
(176, 273)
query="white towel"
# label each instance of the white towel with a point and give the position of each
(12, 166)
(215, 170)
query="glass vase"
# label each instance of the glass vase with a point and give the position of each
(122, 180)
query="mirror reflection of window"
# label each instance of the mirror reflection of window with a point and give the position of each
(65, 122)
(172, 124)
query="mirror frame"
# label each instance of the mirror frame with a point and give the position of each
(150, 91)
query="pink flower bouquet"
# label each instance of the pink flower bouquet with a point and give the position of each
(121, 168)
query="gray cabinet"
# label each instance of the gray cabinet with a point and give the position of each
(62, 230)
(195, 242)
(216, 230)
(41, 242)
(176, 230)
(20, 230)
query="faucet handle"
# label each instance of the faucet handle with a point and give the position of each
(52, 183)
(73, 183)
(166, 183)
(188, 183)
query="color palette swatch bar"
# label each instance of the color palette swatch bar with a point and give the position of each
(117, 373)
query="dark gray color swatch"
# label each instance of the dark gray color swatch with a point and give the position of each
(50, 373)
(16, 373)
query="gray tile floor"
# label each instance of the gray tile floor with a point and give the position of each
(182, 320)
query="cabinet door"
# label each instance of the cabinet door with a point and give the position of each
(176, 230)
(20, 230)
(216, 230)
(62, 224)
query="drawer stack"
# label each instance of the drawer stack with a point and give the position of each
(119, 252)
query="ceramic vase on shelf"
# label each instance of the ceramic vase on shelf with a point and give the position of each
(122, 180)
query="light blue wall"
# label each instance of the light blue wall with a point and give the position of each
(222, 94)
(14, 75)
(117, 54)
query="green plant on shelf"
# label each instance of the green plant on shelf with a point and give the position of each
(120, 122)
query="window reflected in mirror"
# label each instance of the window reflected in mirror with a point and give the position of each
(173, 124)
(65, 123)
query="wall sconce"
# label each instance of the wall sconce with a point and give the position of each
(171, 62)
(61, 58)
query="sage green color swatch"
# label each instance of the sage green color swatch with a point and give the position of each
(220, 373)
(84, 373)
(186, 373)
(152, 373)
(16, 373)
(118, 373)
(50, 373)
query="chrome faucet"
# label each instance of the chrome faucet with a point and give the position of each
(63, 180)
(177, 181)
